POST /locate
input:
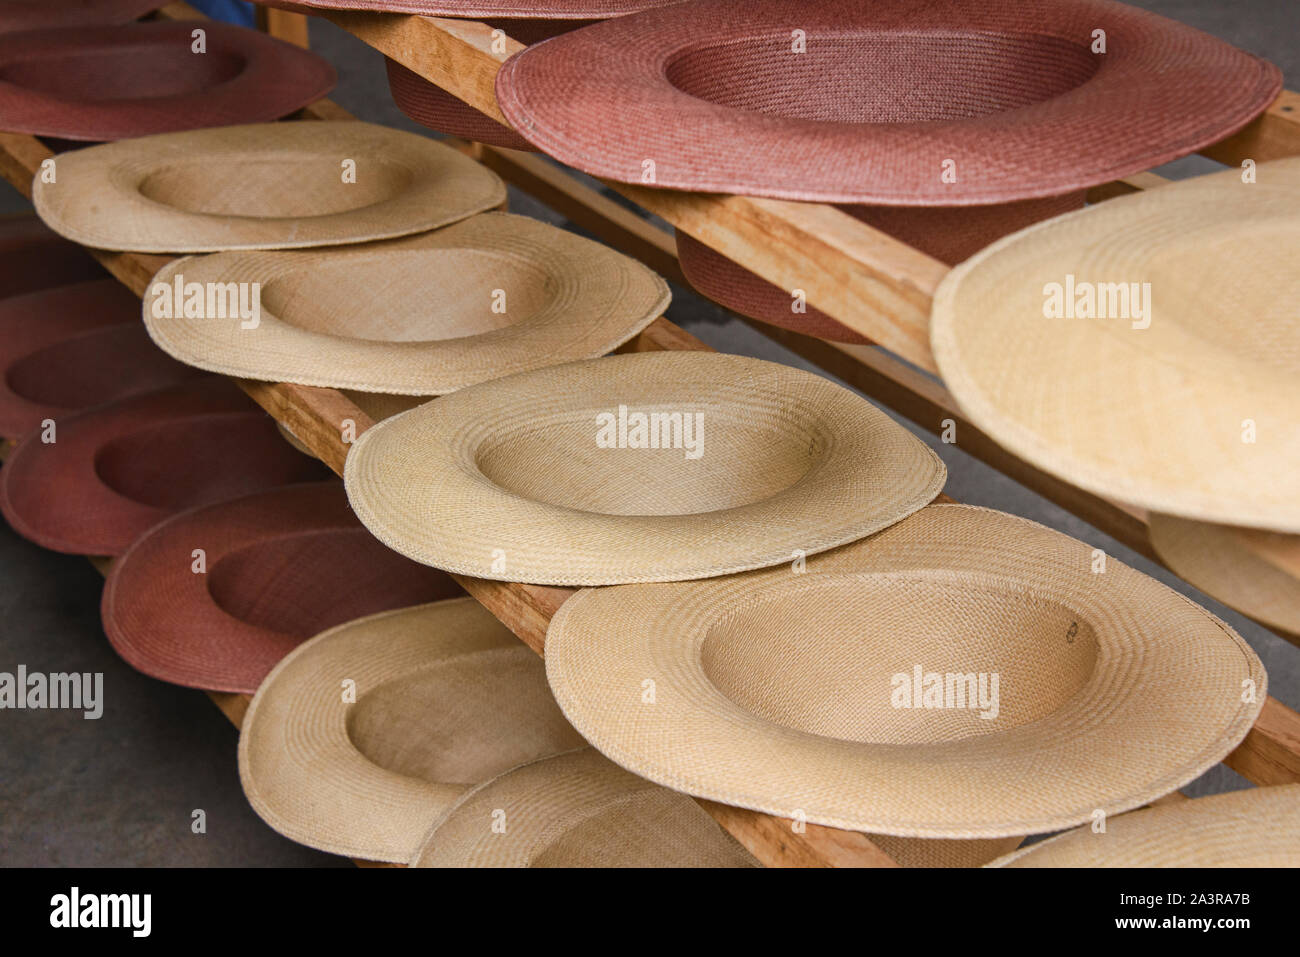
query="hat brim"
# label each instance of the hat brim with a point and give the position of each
(483, 9)
(33, 257)
(1256, 572)
(1148, 409)
(115, 82)
(40, 14)
(878, 97)
(366, 780)
(262, 186)
(774, 691)
(279, 567)
(417, 315)
(1257, 827)
(509, 480)
(577, 810)
(116, 470)
(66, 349)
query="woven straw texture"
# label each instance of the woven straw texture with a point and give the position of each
(1154, 416)
(1255, 572)
(446, 698)
(65, 349)
(948, 233)
(435, 108)
(261, 186)
(509, 480)
(418, 315)
(883, 94)
(109, 83)
(32, 257)
(776, 691)
(18, 15)
(1258, 827)
(577, 810)
(118, 469)
(281, 566)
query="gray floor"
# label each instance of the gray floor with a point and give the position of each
(121, 790)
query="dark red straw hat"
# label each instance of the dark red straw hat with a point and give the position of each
(67, 349)
(38, 14)
(893, 103)
(117, 470)
(279, 567)
(109, 83)
(34, 257)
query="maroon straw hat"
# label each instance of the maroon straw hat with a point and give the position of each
(34, 257)
(119, 469)
(894, 103)
(36, 14)
(279, 567)
(433, 107)
(109, 83)
(69, 348)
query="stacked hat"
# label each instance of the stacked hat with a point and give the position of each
(915, 683)
(112, 82)
(1147, 350)
(95, 481)
(946, 136)
(214, 597)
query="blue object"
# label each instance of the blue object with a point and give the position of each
(231, 11)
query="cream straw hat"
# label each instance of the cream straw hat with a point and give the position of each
(1253, 571)
(577, 810)
(423, 315)
(261, 186)
(445, 698)
(962, 674)
(1258, 827)
(553, 477)
(1183, 398)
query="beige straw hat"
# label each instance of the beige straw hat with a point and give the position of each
(445, 698)
(261, 186)
(422, 315)
(1183, 399)
(577, 810)
(962, 674)
(550, 476)
(1253, 571)
(1258, 827)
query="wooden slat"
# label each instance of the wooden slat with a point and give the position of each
(1274, 135)
(284, 25)
(1271, 752)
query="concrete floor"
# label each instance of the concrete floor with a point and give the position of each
(121, 790)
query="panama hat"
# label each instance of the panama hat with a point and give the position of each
(118, 469)
(1257, 827)
(262, 186)
(1256, 572)
(1184, 402)
(577, 810)
(957, 105)
(113, 82)
(426, 314)
(446, 697)
(33, 257)
(840, 695)
(34, 14)
(279, 566)
(562, 476)
(69, 348)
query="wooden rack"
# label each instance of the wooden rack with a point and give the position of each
(867, 280)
